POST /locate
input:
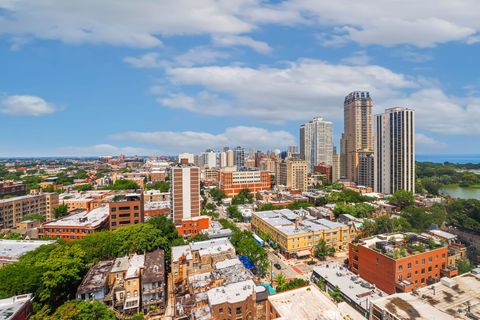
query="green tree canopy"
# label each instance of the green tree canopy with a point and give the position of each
(402, 199)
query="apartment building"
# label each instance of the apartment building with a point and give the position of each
(126, 210)
(185, 193)
(210, 282)
(76, 225)
(12, 188)
(395, 150)
(400, 262)
(13, 210)
(232, 181)
(129, 284)
(17, 307)
(193, 226)
(298, 234)
(155, 195)
(316, 144)
(293, 174)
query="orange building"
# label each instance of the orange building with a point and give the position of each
(231, 182)
(76, 226)
(399, 262)
(126, 210)
(193, 226)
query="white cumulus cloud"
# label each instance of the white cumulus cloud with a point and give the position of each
(25, 105)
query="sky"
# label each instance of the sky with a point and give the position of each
(160, 77)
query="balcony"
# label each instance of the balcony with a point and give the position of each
(153, 290)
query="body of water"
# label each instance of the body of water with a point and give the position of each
(453, 158)
(463, 193)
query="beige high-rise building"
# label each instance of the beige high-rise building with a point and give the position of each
(185, 193)
(230, 158)
(336, 167)
(358, 135)
(316, 144)
(293, 174)
(395, 150)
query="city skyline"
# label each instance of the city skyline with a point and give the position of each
(92, 80)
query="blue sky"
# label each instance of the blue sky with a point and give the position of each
(161, 77)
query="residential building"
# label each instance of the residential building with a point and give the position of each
(366, 161)
(400, 262)
(449, 299)
(232, 181)
(185, 193)
(305, 303)
(210, 282)
(186, 158)
(230, 158)
(358, 135)
(223, 159)
(126, 210)
(155, 195)
(17, 307)
(354, 290)
(12, 250)
(293, 174)
(12, 210)
(129, 284)
(12, 188)
(297, 233)
(156, 208)
(76, 225)
(336, 167)
(209, 159)
(395, 150)
(316, 144)
(239, 157)
(193, 226)
(325, 170)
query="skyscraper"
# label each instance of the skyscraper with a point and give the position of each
(316, 144)
(358, 135)
(395, 150)
(185, 193)
(239, 157)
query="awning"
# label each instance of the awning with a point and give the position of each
(303, 253)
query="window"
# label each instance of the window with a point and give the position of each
(220, 310)
(239, 310)
(409, 265)
(429, 269)
(113, 209)
(423, 261)
(114, 216)
(409, 275)
(400, 268)
(423, 270)
(430, 259)
(423, 280)
(229, 311)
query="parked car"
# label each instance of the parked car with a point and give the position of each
(277, 266)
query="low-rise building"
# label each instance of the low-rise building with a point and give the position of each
(400, 262)
(193, 226)
(12, 250)
(451, 298)
(12, 188)
(297, 235)
(76, 225)
(156, 208)
(129, 284)
(155, 195)
(16, 307)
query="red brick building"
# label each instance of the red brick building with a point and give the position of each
(193, 226)
(399, 262)
(231, 182)
(324, 169)
(76, 225)
(126, 210)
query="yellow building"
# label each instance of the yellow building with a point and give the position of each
(12, 210)
(297, 235)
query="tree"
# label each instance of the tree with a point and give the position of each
(61, 211)
(123, 184)
(83, 187)
(210, 206)
(198, 237)
(299, 204)
(295, 283)
(322, 250)
(234, 213)
(245, 245)
(464, 266)
(359, 210)
(162, 186)
(281, 280)
(243, 197)
(402, 199)
(217, 195)
(34, 216)
(13, 236)
(81, 310)
(336, 294)
(265, 207)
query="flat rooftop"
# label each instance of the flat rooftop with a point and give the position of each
(92, 219)
(208, 247)
(304, 303)
(14, 249)
(357, 289)
(28, 196)
(451, 298)
(96, 278)
(231, 293)
(10, 306)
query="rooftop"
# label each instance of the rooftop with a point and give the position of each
(92, 219)
(10, 306)
(208, 247)
(136, 262)
(231, 293)
(14, 249)
(156, 205)
(304, 303)
(96, 278)
(357, 289)
(154, 266)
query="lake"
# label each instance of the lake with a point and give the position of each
(463, 193)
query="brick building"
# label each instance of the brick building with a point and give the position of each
(13, 210)
(126, 210)
(400, 262)
(231, 182)
(193, 226)
(325, 170)
(77, 225)
(11, 188)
